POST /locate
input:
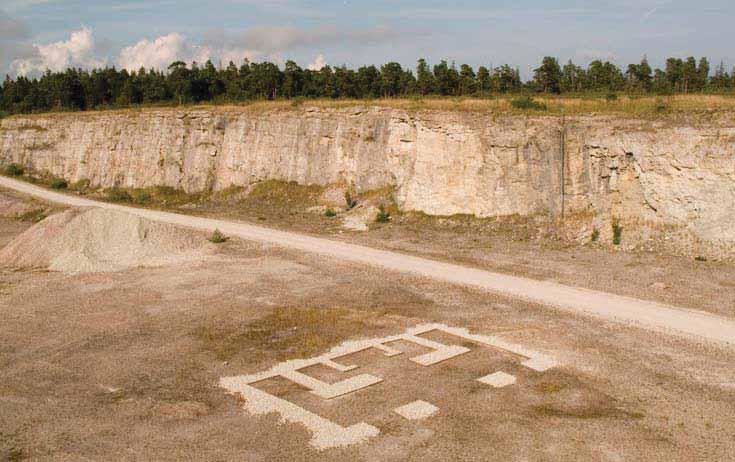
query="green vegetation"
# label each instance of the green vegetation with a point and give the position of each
(330, 213)
(166, 196)
(32, 127)
(59, 183)
(118, 195)
(617, 232)
(43, 178)
(14, 170)
(700, 258)
(169, 196)
(80, 186)
(78, 89)
(284, 193)
(350, 201)
(595, 235)
(661, 105)
(141, 196)
(528, 103)
(383, 216)
(217, 237)
(33, 216)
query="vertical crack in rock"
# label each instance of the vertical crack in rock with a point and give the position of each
(663, 176)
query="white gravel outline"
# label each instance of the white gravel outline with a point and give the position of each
(327, 434)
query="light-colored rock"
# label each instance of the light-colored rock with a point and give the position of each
(334, 196)
(498, 379)
(416, 410)
(660, 286)
(659, 178)
(359, 218)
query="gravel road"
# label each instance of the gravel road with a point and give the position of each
(645, 314)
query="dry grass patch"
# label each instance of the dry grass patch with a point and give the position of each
(34, 216)
(648, 106)
(567, 397)
(156, 196)
(228, 194)
(30, 127)
(549, 387)
(42, 146)
(284, 193)
(287, 333)
(5, 288)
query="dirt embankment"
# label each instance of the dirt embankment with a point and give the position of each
(13, 206)
(98, 240)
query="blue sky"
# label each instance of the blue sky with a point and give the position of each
(35, 34)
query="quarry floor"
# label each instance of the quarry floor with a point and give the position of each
(125, 366)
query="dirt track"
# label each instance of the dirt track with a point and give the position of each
(612, 307)
(128, 365)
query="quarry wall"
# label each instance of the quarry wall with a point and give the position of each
(663, 179)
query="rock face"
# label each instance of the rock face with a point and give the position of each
(660, 179)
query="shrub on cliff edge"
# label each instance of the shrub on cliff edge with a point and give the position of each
(59, 183)
(528, 103)
(382, 216)
(14, 170)
(617, 232)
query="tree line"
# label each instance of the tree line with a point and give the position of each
(78, 89)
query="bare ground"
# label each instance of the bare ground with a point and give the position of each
(513, 245)
(125, 366)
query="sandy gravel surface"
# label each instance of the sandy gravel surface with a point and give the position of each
(126, 366)
(607, 306)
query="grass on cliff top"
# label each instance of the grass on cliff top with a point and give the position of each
(645, 106)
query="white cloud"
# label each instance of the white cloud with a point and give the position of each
(253, 44)
(78, 51)
(157, 54)
(237, 55)
(318, 63)
(164, 50)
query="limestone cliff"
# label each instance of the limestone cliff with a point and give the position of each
(664, 179)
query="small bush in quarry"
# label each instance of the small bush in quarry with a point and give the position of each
(14, 170)
(528, 103)
(59, 183)
(217, 237)
(617, 233)
(382, 216)
(118, 195)
(350, 201)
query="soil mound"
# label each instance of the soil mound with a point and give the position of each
(99, 240)
(14, 207)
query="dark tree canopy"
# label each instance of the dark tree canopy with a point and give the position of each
(77, 89)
